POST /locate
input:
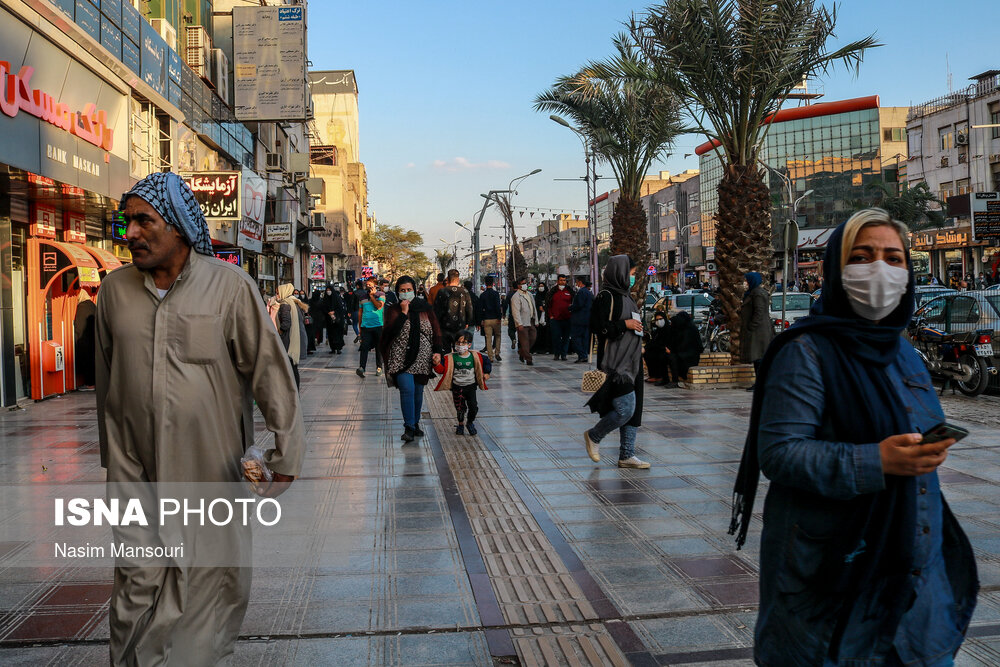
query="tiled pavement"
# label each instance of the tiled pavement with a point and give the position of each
(459, 550)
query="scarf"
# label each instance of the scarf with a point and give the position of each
(853, 355)
(417, 306)
(173, 200)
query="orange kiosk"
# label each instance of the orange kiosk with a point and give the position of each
(57, 272)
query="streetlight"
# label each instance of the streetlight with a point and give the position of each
(475, 232)
(591, 195)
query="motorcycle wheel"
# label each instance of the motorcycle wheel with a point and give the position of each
(977, 383)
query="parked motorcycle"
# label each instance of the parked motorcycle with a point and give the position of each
(965, 359)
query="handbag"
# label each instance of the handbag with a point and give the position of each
(594, 378)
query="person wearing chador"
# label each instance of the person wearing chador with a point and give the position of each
(684, 348)
(657, 349)
(83, 326)
(861, 561)
(333, 314)
(184, 348)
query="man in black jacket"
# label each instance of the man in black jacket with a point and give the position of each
(453, 308)
(489, 315)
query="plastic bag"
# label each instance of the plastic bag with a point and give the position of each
(255, 471)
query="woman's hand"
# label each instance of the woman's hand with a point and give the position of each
(404, 306)
(436, 359)
(486, 376)
(902, 456)
(634, 325)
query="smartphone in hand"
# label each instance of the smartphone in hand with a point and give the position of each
(943, 431)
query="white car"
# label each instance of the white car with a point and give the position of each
(797, 304)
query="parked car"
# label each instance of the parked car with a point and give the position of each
(696, 304)
(963, 312)
(797, 304)
(925, 293)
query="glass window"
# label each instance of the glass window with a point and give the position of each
(964, 310)
(946, 138)
(933, 312)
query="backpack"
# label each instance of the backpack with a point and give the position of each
(454, 318)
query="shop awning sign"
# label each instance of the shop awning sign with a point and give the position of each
(814, 239)
(218, 193)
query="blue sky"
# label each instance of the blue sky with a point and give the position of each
(446, 90)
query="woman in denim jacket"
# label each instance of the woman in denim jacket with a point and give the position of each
(861, 561)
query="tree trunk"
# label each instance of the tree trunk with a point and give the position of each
(630, 236)
(742, 240)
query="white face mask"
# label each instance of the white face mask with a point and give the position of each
(660, 323)
(462, 349)
(562, 287)
(524, 288)
(874, 289)
(407, 296)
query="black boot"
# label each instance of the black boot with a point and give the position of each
(418, 432)
(407, 434)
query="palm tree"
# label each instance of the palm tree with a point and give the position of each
(443, 259)
(732, 64)
(630, 123)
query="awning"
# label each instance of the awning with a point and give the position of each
(107, 260)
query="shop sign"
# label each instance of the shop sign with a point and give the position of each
(90, 124)
(218, 193)
(367, 272)
(814, 239)
(941, 240)
(118, 228)
(317, 267)
(986, 216)
(281, 233)
(269, 63)
(74, 227)
(43, 221)
(251, 229)
(234, 257)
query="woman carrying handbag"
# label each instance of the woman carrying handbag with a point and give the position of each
(615, 321)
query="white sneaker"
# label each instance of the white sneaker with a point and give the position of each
(633, 462)
(592, 452)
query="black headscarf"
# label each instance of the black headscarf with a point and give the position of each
(853, 355)
(417, 306)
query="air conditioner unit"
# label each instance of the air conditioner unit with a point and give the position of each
(944, 161)
(318, 219)
(166, 31)
(995, 158)
(198, 54)
(275, 162)
(220, 74)
(962, 139)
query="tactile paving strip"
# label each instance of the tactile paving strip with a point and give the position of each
(553, 623)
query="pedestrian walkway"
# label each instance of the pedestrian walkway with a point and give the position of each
(507, 548)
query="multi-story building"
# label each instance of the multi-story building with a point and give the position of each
(97, 96)
(838, 150)
(605, 205)
(674, 224)
(562, 244)
(955, 158)
(336, 159)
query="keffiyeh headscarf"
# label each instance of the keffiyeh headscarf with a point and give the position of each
(173, 200)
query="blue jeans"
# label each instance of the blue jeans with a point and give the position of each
(411, 398)
(560, 337)
(623, 406)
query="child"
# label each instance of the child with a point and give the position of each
(463, 371)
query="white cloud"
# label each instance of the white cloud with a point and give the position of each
(410, 165)
(463, 164)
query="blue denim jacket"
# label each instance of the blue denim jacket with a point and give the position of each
(810, 475)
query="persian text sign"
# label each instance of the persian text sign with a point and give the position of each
(985, 215)
(269, 50)
(218, 193)
(251, 230)
(75, 227)
(89, 124)
(279, 233)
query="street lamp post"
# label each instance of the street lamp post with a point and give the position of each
(475, 232)
(591, 172)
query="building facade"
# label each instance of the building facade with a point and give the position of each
(674, 226)
(560, 246)
(956, 158)
(97, 96)
(336, 160)
(838, 150)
